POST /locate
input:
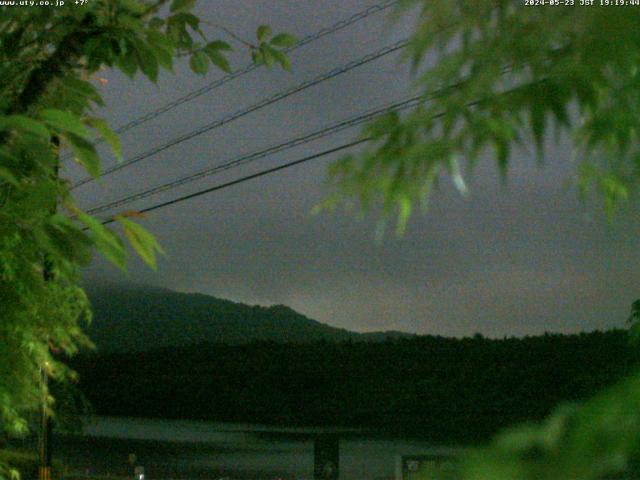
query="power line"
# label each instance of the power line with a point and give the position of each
(353, 19)
(356, 17)
(301, 140)
(260, 173)
(248, 177)
(251, 157)
(252, 108)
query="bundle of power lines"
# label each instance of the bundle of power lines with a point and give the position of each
(251, 157)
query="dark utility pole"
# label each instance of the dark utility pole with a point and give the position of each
(44, 440)
(326, 457)
(44, 437)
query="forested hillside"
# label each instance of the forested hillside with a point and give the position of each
(445, 389)
(137, 318)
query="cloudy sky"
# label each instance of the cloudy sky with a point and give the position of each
(514, 259)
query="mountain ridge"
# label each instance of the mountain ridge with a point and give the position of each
(141, 318)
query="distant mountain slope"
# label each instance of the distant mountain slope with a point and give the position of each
(135, 318)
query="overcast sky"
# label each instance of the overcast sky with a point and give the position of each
(514, 259)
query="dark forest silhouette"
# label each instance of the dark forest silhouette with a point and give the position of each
(444, 389)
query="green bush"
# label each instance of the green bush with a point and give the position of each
(26, 463)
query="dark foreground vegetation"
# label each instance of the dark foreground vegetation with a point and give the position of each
(440, 388)
(26, 462)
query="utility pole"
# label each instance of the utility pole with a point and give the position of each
(44, 437)
(46, 426)
(326, 457)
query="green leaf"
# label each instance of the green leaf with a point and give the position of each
(404, 212)
(267, 56)
(107, 242)
(40, 200)
(8, 176)
(456, 175)
(134, 6)
(128, 63)
(218, 45)
(147, 60)
(26, 124)
(83, 88)
(182, 5)
(7, 161)
(270, 54)
(85, 153)
(131, 23)
(502, 154)
(163, 48)
(108, 134)
(60, 237)
(263, 32)
(257, 56)
(218, 59)
(282, 59)
(284, 40)
(161, 40)
(143, 242)
(199, 63)
(184, 18)
(538, 117)
(65, 122)
(165, 59)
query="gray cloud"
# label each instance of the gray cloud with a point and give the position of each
(516, 259)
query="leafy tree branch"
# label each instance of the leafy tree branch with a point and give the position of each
(46, 59)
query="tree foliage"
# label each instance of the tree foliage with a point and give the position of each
(497, 74)
(48, 61)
